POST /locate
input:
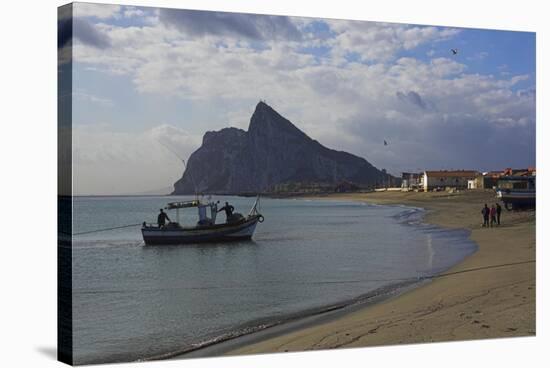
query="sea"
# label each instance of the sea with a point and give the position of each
(133, 302)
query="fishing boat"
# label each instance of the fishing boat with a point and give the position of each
(517, 192)
(206, 230)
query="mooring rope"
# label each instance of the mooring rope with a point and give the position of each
(106, 229)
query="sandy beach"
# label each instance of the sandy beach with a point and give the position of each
(490, 294)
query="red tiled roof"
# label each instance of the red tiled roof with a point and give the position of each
(454, 174)
(519, 172)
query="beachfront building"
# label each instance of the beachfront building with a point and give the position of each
(443, 179)
(411, 181)
(530, 171)
(489, 180)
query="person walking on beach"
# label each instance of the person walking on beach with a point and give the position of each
(162, 217)
(499, 211)
(485, 212)
(493, 215)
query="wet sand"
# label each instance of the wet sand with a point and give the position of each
(490, 294)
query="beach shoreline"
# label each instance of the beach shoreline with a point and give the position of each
(335, 328)
(490, 294)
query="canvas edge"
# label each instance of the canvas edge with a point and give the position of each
(64, 185)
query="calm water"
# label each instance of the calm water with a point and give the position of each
(136, 302)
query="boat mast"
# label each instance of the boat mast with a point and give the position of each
(184, 166)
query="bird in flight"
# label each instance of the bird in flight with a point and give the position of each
(385, 143)
(454, 51)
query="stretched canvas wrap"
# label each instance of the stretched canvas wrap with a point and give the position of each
(239, 183)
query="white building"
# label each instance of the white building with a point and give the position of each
(448, 179)
(410, 181)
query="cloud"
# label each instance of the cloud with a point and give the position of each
(82, 30)
(87, 97)
(132, 11)
(176, 140)
(478, 56)
(518, 78)
(108, 161)
(99, 11)
(87, 33)
(453, 141)
(531, 92)
(72, 22)
(431, 111)
(247, 26)
(380, 42)
(411, 97)
(444, 67)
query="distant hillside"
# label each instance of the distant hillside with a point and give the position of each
(271, 155)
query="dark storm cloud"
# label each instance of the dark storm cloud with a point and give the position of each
(412, 98)
(528, 93)
(83, 30)
(89, 35)
(249, 26)
(460, 142)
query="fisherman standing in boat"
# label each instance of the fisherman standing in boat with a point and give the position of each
(228, 211)
(162, 217)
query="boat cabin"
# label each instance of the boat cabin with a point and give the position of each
(517, 183)
(202, 208)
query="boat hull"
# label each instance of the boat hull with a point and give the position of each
(242, 230)
(518, 199)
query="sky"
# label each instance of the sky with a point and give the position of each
(148, 83)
